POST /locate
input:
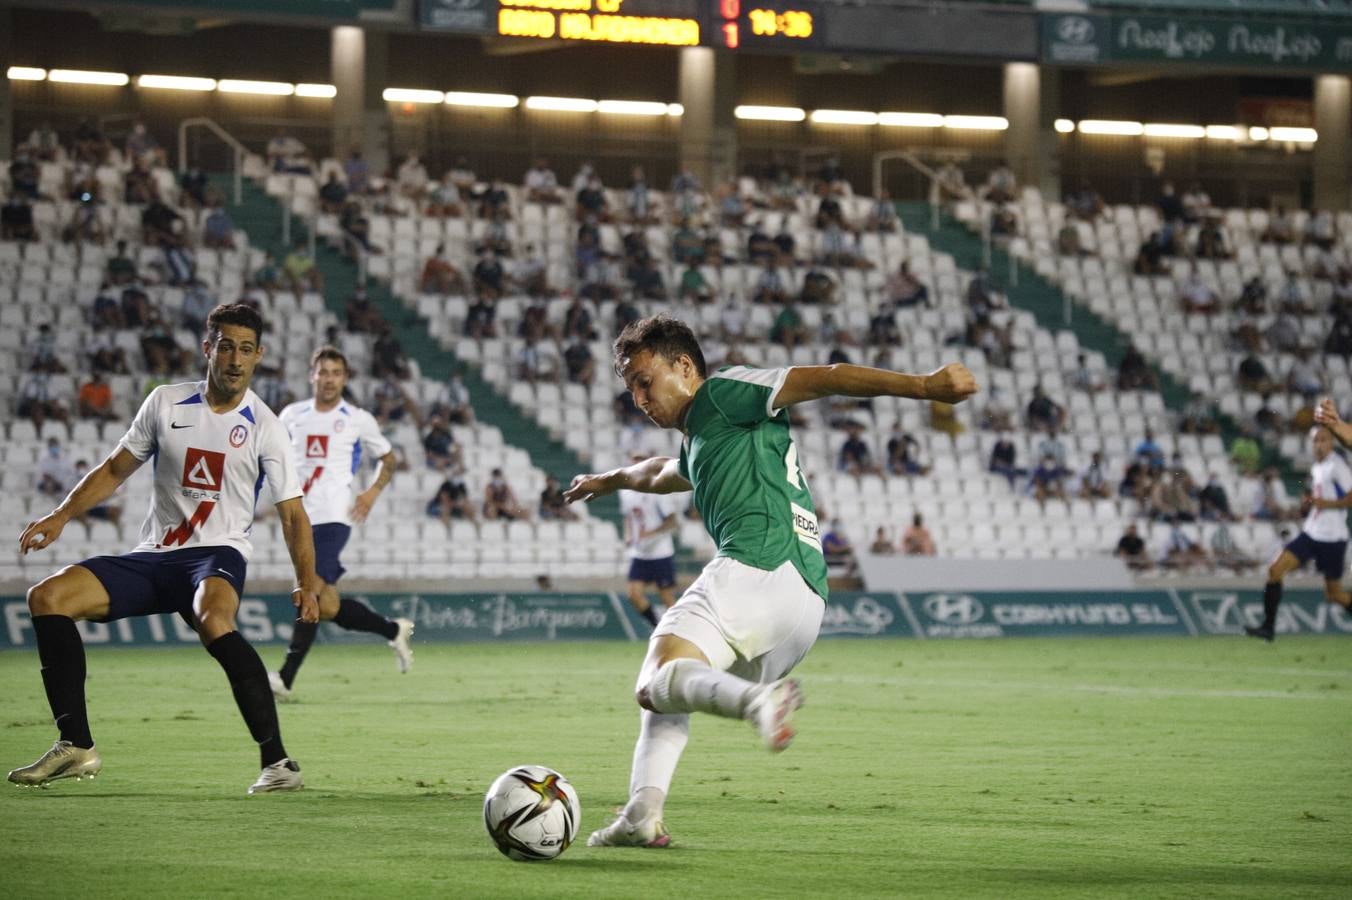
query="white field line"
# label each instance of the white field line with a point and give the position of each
(1005, 685)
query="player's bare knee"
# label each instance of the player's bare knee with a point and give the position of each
(44, 599)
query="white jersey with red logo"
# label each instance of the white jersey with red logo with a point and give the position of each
(327, 448)
(209, 467)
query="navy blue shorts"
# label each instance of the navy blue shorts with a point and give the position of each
(143, 584)
(330, 539)
(661, 572)
(1330, 557)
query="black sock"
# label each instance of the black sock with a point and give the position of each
(253, 695)
(63, 675)
(354, 615)
(1272, 598)
(650, 614)
(302, 636)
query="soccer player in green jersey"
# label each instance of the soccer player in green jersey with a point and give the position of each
(754, 612)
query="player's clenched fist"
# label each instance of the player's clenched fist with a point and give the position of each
(1326, 413)
(587, 487)
(953, 383)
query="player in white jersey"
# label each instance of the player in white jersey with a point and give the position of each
(329, 437)
(649, 521)
(1323, 535)
(212, 444)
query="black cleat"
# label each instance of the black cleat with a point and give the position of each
(1266, 634)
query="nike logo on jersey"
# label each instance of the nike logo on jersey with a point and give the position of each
(176, 425)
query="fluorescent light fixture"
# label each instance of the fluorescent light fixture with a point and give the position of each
(326, 91)
(770, 113)
(1293, 135)
(1258, 133)
(977, 123)
(1224, 132)
(910, 120)
(26, 73)
(176, 82)
(675, 110)
(80, 76)
(842, 117)
(267, 88)
(561, 104)
(410, 95)
(633, 107)
(1169, 130)
(491, 101)
(1110, 126)
(1063, 126)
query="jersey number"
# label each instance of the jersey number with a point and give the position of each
(791, 466)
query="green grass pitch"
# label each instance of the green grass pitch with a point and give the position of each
(1021, 768)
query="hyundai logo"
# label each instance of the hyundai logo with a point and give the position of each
(954, 609)
(1075, 30)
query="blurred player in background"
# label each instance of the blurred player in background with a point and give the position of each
(1323, 534)
(649, 522)
(214, 443)
(329, 437)
(755, 610)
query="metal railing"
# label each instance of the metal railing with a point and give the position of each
(240, 152)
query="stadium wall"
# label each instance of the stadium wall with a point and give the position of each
(606, 616)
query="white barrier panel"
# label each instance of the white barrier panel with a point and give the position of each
(922, 573)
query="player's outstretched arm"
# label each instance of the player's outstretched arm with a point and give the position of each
(951, 384)
(300, 543)
(93, 489)
(659, 475)
(361, 505)
(1326, 414)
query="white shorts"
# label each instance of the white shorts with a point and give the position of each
(755, 624)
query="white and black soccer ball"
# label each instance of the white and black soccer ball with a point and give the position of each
(532, 813)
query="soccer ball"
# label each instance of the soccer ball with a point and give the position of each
(532, 813)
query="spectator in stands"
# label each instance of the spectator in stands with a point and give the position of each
(1211, 243)
(135, 306)
(1003, 459)
(536, 361)
(495, 204)
(85, 225)
(1068, 240)
(837, 549)
(591, 202)
(1170, 500)
(542, 185)
(481, 319)
(1226, 553)
(1134, 373)
(770, 287)
(1084, 378)
(451, 500)
(855, 457)
(488, 276)
(55, 474)
(300, 270)
(882, 544)
(91, 145)
(1195, 295)
(578, 321)
(731, 208)
(1132, 551)
(1339, 340)
(333, 195)
(982, 297)
(387, 355)
(882, 214)
(1320, 230)
(1052, 445)
(1304, 377)
(694, 286)
(42, 352)
(1084, 202)
(443, 199)
(1001, 186)
(1281, 227)
(905, 290)
(1253, 375)
(916, 540)
(638, 199)
(818, 288)
(1213, 504)
(198, 302)
(16, 219)
(1266, 419)
(1048, 480)
(500, 500)
(1293, 298)
(1170, 206)
(356, 231)
(903, 453)
(37, 401)
(1196, 204)
(1005, 222)
(391, 403)
(1245, 454)
(356, 173)
(1271, 502)
(1137, 480)
(286, 154)
(647, 281)
(139, 186)
(1094, 481)
(454, 404)
(1151, 450)
(579, 363)
(43, 143)
(23, 176)
(883, 330)
(532, 274)
(103, 353)
(120, 268)
(361, 314)
(788, 329)
(162, 227)
(1043, 411)
(1253, 297)
(1150, 255)
(1181, 551)
(553, 508)
(193, 188)
(95, 400)
(269, 276)
(159, 349)
(439, 447)
(439, 276)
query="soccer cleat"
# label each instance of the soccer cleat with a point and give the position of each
(772, 713)
(649, 832)
(283, 775)
(1266, 634)
(279, 688)
(64, 760)
(403, 653)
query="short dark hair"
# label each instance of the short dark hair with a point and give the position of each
(662, 335)
(328, 351)
(234, 314)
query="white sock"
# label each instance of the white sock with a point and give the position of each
(689, 685)
(661, 739)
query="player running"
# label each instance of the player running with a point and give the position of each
(328, 439)
(649, 521)
(213, 443)
(1323, 535)
(755, 610)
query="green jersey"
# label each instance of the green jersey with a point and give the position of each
(741, 461)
